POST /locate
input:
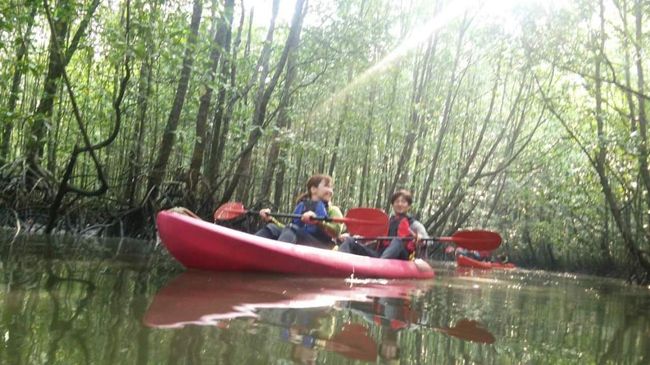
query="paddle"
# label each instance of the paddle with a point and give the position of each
(469, 330)
(471, 240)
(464, 329)
(352, 341)
(359, 221)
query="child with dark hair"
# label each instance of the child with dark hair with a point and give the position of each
(400, 222)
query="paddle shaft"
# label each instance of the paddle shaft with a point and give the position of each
(471, 240)
(375, 240)
(387, 238)
(287, 215)
(365, 222)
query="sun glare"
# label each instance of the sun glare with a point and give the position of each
(263, 10)
(489, 10)
(409, 42)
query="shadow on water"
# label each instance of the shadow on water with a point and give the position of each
(97, 301)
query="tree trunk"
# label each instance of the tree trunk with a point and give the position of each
(279, 177)
(21, 54)
(457, 193)
(382, 189)
(158, 172)
(221, 42)
(261, 104)
(135, 154)
(245, 176)
(421, 80)
(600, 162)
(223, 112)
(442, 130)
(65, 185)
(56, 65)
(366, 159)
(277, 140)
(366, 167)
(339, 129)
(643, 122)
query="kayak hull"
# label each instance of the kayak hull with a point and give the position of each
(464, 261)
(198, 244)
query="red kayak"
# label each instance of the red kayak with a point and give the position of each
(198, 244)
(464, 261)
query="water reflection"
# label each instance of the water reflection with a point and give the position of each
(207, 297)
(358, 320)
(71, 301)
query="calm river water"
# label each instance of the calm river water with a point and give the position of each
(86, 301)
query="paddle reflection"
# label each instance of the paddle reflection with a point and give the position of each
(360, 321)
(397, 314)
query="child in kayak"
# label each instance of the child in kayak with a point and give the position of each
(399, 225)
(315, 202)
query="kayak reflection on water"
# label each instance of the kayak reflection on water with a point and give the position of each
(359, 322)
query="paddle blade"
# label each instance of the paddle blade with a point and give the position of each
(476, 240)
(470, 331)
(229, 211)
(354, 342)
(366, 222)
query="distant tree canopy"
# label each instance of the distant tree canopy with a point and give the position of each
(528, 120)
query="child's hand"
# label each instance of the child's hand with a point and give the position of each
(264, 214)
(416, 239)
(307, 217)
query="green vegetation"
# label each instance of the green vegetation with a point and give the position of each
(527, 119)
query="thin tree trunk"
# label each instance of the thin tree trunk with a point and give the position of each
(600, 162)
(65, 185)
(21, 55)
(245, 176)
(53, 131)
(134, 158)
(169, 135)
(382, 189)
(221, 42)
(243, 167)
(339, 129)
(279, 177)
(442, 130)
(56, 65)
(282, 124)
(366, 159)
(366, 167)
(628, 82)
(223, 111)
(456, 194)
(643, 122)
(421, 79)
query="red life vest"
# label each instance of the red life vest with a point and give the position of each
(400, 226)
